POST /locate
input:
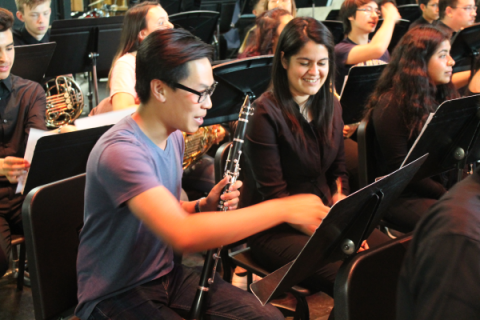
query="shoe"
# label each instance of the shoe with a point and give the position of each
(239, 281)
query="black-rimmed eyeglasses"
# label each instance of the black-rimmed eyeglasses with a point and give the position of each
(201, 95)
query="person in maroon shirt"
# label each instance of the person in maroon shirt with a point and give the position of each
(22, 106)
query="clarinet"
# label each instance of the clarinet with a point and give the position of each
(232, 170)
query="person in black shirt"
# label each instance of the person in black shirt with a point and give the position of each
(36, 17)
(440, 278)
(429, 13)
(22, 106)
(414, 83)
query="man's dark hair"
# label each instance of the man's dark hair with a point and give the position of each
(163, 55)
(349, 9)
(6, 19)
(443, 4)
(424, 2)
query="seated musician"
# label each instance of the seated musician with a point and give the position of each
(35, 14)
(270, 25)
(22, 106)
(360, 17)
(457, 14)
(454, 16)
(133, 217)
(414, 83)
(294, 144)
(440, 278)
(263, 6)
(430, 13)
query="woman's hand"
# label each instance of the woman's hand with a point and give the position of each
(230, 198)
(13, 168)
(364, 246)
(306, 210)
(337, 197)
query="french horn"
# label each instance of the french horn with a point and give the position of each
(64, 101)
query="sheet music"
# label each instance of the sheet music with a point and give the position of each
(103, 119)
(33, 137)
(430, 116)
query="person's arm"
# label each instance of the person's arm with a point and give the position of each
(460, 79)
(380, 41)
(122, 85)
(122, 100)
(336, 174)
(162, 213)
(12, 168)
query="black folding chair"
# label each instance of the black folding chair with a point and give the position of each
(52, 219)
(410, 12)
(366, 285)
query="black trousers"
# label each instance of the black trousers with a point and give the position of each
(278, 246)
(10, 223)
(406, 211)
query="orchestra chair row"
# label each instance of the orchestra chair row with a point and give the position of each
(242, 257)
(366, 283)
(18, 258)
(53, 218)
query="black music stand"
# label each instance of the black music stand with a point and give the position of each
(349, 222)
(311, 4)
(235, 80)
(171, 6)
(360, 84)
(333, 15)
(450, 137)
(31, 62)
(401, 27)
(200, 23)
(77, 47)
(108, 38)
(410, 12)
(465, 45)
(61, 156)
(336, 28)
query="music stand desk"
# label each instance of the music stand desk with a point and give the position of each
(465, 46)
(359, 85)
(32, 61)
(450, 137)
(236, 79)
(349, 222)
(61, 156)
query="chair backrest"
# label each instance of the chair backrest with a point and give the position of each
(171, 6)
(220, 160)
(336, 28)
(366, 285)
(52, 219)
(367, 170)
(200, 23)
(410, 12)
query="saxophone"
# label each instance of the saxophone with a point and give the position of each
(232, 170)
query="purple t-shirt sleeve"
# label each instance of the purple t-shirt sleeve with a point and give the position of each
(126, 171)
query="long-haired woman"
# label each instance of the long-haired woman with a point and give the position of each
(288, 5)
(415, 82)
(294, 143)
(138, 23)
(270, 25)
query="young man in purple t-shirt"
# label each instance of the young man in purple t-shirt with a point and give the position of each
(133, 217)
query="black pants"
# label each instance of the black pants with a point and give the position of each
(405, 212)
(280, 245)
(10, 223)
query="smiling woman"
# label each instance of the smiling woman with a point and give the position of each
(294, 143)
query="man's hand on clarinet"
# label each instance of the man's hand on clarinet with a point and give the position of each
(230, 198)
(13, 168)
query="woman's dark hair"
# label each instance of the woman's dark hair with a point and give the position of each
(133, 22)
(265, 33)
(164, 55)
(405, 81)
(6, 19)
(296, 34)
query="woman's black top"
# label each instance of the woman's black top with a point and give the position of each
(278, 164)
(393, 144)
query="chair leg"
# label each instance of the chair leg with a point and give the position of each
(301, 311)
(21, 267)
